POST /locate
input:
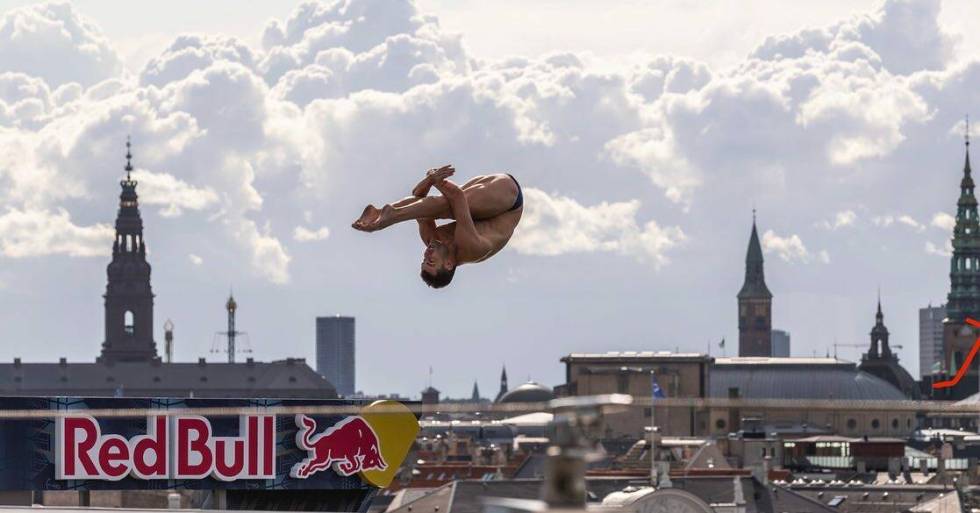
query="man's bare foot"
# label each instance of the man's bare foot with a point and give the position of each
(386, 218)
(367, 220)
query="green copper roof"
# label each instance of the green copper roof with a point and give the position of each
(964, 274)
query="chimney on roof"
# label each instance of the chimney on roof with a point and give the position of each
(17, 362)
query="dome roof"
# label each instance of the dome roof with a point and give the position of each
(889, 370)
(798, 378)
(529, 392)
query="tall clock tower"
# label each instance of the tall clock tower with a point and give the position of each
(754, 304)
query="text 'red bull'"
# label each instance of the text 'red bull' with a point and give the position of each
(349, 446)
(182, 447)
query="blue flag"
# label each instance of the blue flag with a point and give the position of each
(657, 392)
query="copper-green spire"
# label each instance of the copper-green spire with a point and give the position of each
(964, 292)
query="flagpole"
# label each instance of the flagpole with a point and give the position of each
(653, 431)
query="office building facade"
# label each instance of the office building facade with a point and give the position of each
(335, 352)
(780, 343)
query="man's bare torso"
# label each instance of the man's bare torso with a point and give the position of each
(491, 199)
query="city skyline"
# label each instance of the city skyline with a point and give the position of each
(847, 141)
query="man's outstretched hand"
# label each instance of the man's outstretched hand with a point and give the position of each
(422, 189)
(438, 175)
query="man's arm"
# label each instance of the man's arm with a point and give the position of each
(427, 230)
(466, 234)
(427, 226)
(421, 189)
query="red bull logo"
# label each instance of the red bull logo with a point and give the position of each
(180, 447)
(185, 447)
(349, 446)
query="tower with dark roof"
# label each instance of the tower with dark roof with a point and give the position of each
(475, 397)
(754, 303)
(879, 337)
(503, 383)
(128, 295)
(880, 361)
(964, 278)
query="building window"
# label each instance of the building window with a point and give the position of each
(720, 424)
(875, 424)
(647, 412)
(851, 424)
(623, 383)
(894, 423)
(128, 325)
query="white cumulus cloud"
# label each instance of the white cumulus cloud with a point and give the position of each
(30, 233)
(789, 248)
(943, 221)
(171, 193)
(303, 234)
(53, 42)
(842, 219)
(556, 225)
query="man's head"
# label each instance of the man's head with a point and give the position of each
(438, 265)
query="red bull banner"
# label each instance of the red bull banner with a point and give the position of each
(180, 447)
(185, 450)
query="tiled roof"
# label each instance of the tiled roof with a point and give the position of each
(284, 378)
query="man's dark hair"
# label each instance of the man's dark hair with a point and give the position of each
(440, 279)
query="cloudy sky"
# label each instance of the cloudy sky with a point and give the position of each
(644, 133)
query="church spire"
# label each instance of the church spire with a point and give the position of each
(755, 279)
(754, 303)
(503, 383)
(128, 296)
(964, 293)
(966, 140)
(879, 316)
(879, 336)
(129, 160)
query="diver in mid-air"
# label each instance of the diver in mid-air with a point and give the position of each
(486, 210)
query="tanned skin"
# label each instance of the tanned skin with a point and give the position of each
(483, 221)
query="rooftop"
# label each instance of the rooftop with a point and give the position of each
(798, 378)
(636, 355)
(795, 360)
(284, 378)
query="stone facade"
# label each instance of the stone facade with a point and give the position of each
(677, 374)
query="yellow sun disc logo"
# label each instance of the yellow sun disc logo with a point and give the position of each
(396, 428)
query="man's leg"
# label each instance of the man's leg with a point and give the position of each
(406, 209)
(488, 196)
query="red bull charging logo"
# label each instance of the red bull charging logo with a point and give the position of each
(186, 447)
(349, 446)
